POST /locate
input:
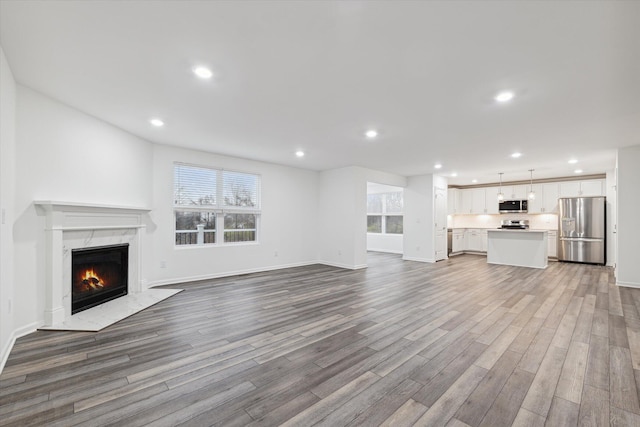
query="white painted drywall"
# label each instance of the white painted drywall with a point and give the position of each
(418, 219)
(628, 232)
(612, 204)
(390, 243)
(7, 195)
(288, 225)
(65, 155)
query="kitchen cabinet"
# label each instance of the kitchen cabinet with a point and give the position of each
(491, 200)
(453, 201)
(590, 187)
(458, 241)
(472, 201)
(474, 240)
(515, 192)
(546, 200)
(553, 244)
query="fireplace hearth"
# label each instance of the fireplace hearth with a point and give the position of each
(98, 275)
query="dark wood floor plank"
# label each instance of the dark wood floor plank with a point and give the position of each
(456, 343)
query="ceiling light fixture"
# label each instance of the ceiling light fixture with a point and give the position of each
(454, 174)
(577, 171)
(156, 122)
(371, 133)
(516, 155)
(500, 194)
(505, 96)
(437, 166)
(203, 72)
(532, 194)
(474, 180)
(573, 161)
(300, 153)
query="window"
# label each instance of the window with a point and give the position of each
(207, 200)
(384, 212)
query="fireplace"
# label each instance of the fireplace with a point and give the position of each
(98, 274)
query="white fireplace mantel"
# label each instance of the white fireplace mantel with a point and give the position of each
(69, 226)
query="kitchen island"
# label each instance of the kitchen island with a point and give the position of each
(522, 248)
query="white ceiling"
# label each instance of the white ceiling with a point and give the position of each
(315, 75)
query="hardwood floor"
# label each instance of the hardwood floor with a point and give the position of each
(455, 343)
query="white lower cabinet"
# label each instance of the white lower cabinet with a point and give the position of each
(458, 241)
(474, 240)
(552, 250)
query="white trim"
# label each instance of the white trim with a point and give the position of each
(340, 265)
(429, 260)
(388, 251)
(628, 284)
(20, 332)
(71, 206)
(180, 280)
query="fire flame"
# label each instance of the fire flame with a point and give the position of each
(90, 280)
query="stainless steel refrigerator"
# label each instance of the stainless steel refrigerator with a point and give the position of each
(581, 229)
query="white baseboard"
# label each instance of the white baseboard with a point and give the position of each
(20, 332)
(429, 260)
(179, 280)
(628, 284)
(340, 265)
(386, 251)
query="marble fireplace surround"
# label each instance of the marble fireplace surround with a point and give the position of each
(71, 226)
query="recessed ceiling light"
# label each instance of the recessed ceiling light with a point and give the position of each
(505, 96)
(300, 153)
(437, 165)
(202, 72)
(454, 174)
(371, 133)
(578, 171)
(474, 180)
(573, 161)
(516, 155)
(156, 122)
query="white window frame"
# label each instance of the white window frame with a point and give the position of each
(384, 214)
(219, 209)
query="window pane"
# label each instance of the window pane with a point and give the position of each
(374, 203)
(241, 189)
(393, 202)
(194, 186)
(374, 224)
(239, 227)
(187, 232)
(393, 224)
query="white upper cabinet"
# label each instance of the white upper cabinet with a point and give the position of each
(478, 201)
(472, 201)
(491, 200)
(550, 194)
(516, 192)
(453, 201)
(591, 187)
(546, 200)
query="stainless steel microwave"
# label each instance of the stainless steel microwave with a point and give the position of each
(513, 206)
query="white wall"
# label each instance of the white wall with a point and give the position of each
(628, 235)
(390, 243)
(288, 223)
(418, 219)
(7, 195)
(63, 154)
(612, 203)
(343, 214)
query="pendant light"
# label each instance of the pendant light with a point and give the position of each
(500, 194)
(532, 194)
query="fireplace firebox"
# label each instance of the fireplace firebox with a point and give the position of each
(98, 275)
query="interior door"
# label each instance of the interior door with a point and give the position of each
(440, 223)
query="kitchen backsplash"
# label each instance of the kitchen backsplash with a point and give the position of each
(536, 222)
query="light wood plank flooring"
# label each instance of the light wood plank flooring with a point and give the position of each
(455, 343)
